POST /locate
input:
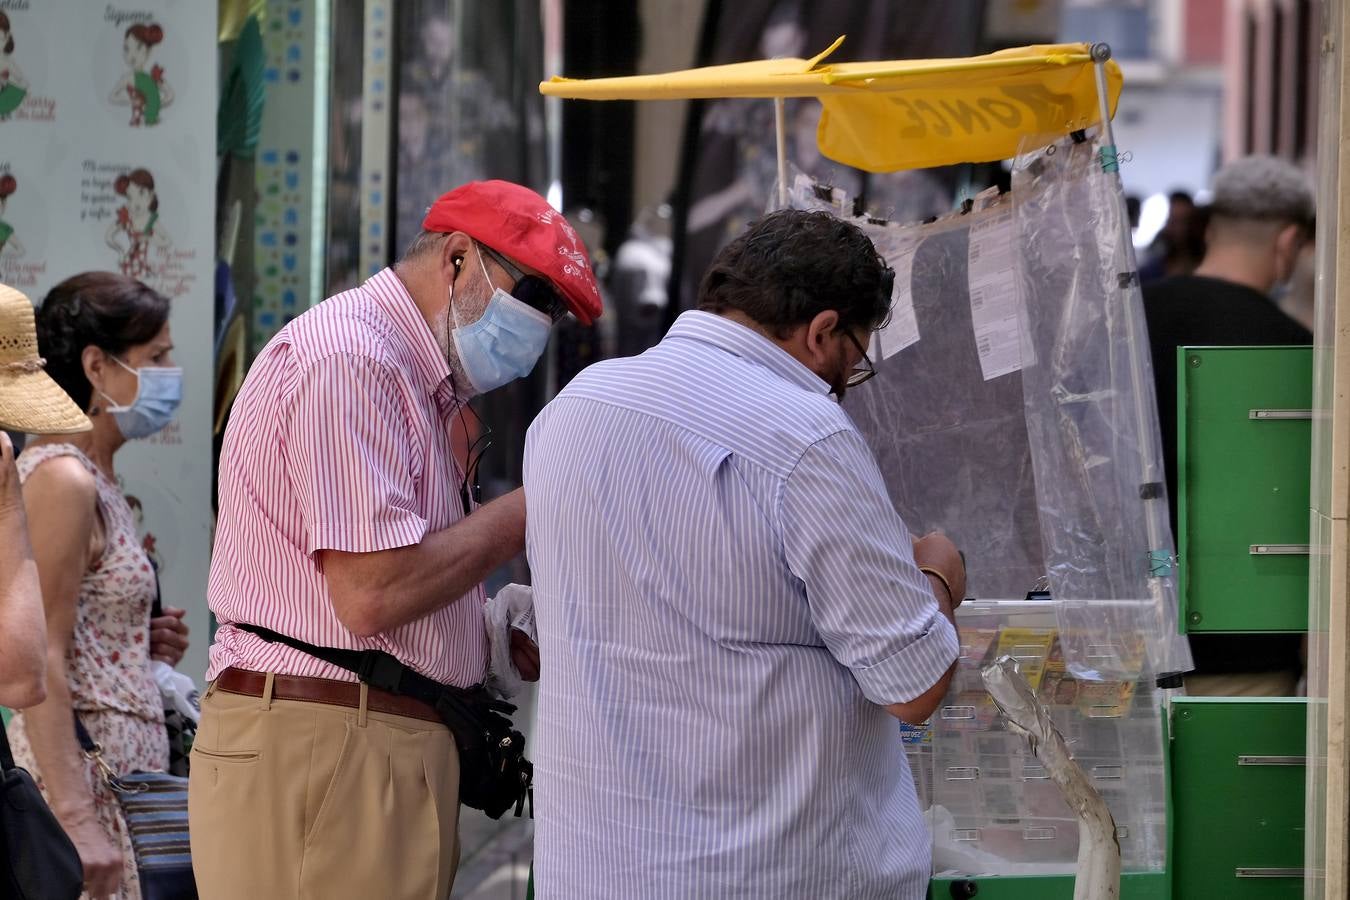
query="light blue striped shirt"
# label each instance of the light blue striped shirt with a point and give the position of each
(725, 600)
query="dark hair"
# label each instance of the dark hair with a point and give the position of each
(790, 266)
(102, 309)
(9, 33)
(149, 35)
(140, 178)
(8, 185)
(1181, 197)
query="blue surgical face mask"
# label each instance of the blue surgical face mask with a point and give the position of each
(504, 343)
(159, 392)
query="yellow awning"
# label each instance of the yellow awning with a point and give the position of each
(901, 114)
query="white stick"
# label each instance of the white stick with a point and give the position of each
(1098, 849)
(780, 130)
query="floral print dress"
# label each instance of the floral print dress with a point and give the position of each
(108, 661)
(135, 262)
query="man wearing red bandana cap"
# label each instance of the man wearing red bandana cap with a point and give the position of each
(346, 521)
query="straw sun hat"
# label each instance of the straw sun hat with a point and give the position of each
(29, 400)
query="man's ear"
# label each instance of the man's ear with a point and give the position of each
(454, 251)
(818, 331)
(1288, 242)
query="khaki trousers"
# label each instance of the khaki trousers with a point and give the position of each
(291, 799)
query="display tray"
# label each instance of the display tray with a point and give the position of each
(991, 806)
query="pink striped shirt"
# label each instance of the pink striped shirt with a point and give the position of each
(340, 439)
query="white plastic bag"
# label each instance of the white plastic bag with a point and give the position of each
(178, 691)
(513, 607)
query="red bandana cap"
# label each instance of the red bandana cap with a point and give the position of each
(519, 224)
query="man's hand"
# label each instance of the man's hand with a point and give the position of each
(936, 551)
(525, 655)
(169, 636)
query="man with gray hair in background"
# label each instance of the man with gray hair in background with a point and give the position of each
(1260, 218)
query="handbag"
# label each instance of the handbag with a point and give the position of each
(39, 861)
(495, 775)
(155, 807)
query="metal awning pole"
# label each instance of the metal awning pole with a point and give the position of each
(1161, 558)
(1143, 390)
(1100, 54)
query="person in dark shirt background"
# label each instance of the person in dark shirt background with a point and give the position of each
(1180, 245)
(1260, 219)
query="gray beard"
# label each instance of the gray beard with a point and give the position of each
(459, 378)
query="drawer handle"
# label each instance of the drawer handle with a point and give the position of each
(1275, 415)
(1105, 712)
(1281, 549)
(1272, 760)
(1268, 872)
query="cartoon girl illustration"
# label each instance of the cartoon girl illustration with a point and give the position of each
(143, 89)
(137, 228)
(13, 86)
(9, 244)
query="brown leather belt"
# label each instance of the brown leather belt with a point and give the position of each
(323, 690)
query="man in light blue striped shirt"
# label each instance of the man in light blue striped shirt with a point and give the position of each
(730, 612)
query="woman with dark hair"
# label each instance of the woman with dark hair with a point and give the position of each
(143, 89)
(137, 225)
(107, 344)
(13, 86)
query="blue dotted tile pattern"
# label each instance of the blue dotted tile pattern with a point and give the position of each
(377, 98)
(279, 282)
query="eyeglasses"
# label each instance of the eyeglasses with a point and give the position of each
(532, 290)
(863, 370)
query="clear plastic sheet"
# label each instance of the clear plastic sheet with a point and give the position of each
(1054, 470)
(952, 447)
(1041, 459)
(1091, 419)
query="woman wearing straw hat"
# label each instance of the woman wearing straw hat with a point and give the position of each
(107, 344)
(31, 403)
